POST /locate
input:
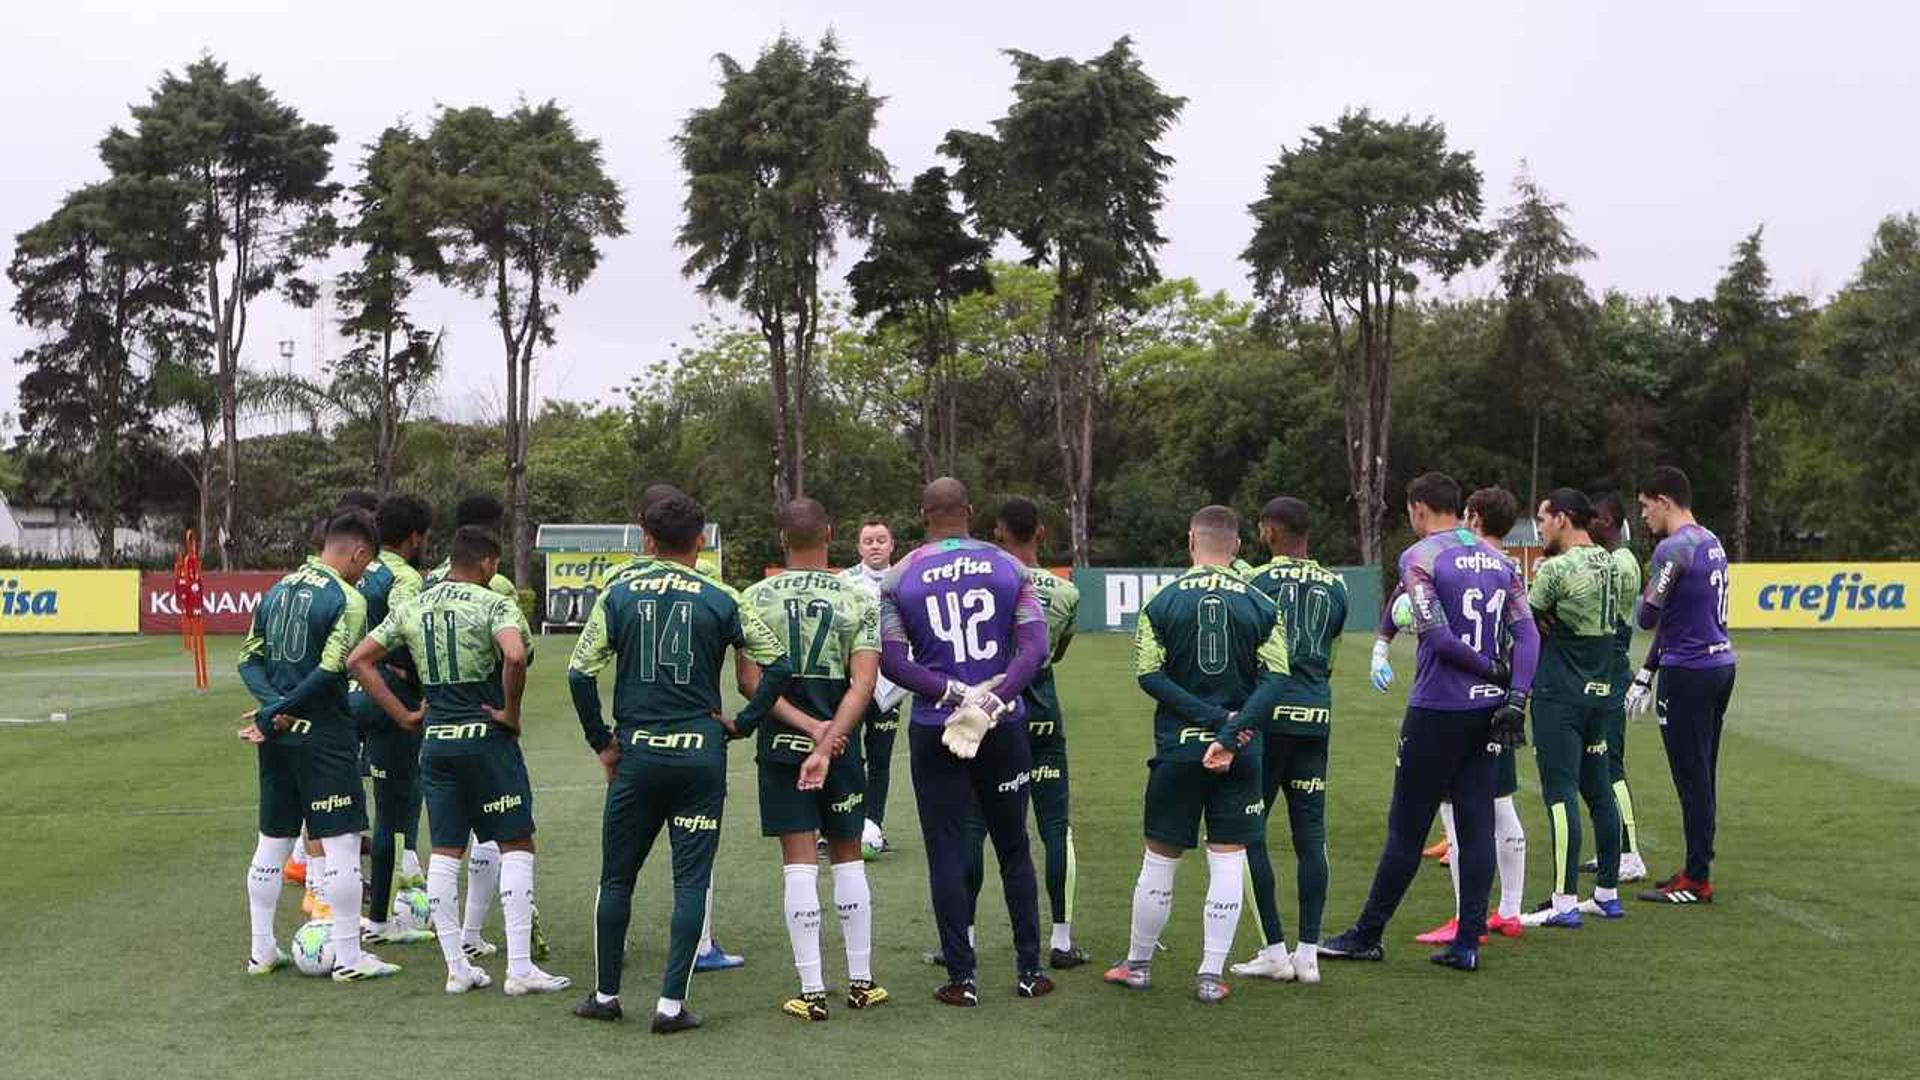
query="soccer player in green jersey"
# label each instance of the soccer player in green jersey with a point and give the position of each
(293, 661)
(1312, 604)
(833, 641)
(393, 753)
(664, 631)
(470, 647)
(1211, 651)
(1578, 595)
(1608, 529)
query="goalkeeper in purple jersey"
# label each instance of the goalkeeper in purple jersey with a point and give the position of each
(962, 630)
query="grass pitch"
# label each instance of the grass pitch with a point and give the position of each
(128, 828)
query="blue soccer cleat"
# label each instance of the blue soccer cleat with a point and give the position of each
(1564, 920)
(1605, 909)
(1352, 945)
(1459, 957)
(718, 959)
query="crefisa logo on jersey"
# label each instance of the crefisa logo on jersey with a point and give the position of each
(1845, 591)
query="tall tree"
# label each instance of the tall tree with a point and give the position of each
(1074, 172)
(1350, 216)
(391, 360)
(922, 259)
(778, 170)
(261, 208)
(108, 280)
(1548, 307)
(1751, 342)
(512, 208)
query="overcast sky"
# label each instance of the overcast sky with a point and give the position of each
(1670, 128)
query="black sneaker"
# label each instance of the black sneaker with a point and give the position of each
(1064, 959)
(1458, 957)
(963, 994)
(684, 1020)
(1351, 945)
(1591, 866)
(1033, 984)
(595, 1009)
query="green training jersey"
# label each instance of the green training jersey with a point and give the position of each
(1214, 636)
(389, 583)
(1060, 602)
(1579, 596)
(1623, 637)
(449, 629)
(664, 630)
(826, 620)
(1312, 601)
(501, 583)
(310, 620)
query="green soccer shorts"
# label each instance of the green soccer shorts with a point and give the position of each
(316, 783)
(838, 811)
(485, 793)
(1183, 794)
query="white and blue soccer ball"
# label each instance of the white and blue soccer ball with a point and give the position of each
(412, 910)
(313, 948)
(1403, 611)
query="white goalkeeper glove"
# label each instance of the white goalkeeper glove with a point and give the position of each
(1380, 671)
(967, 725)
(955, 694)
(984, 698)
(1640, 694)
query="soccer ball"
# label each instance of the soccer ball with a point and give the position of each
(1403, 612)
(872, 840)
(313, 948)
(412, 910)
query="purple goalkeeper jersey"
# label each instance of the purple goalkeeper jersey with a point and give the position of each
(1465, 591)
(1686, 599)
(956, 605)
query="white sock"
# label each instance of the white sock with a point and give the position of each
(667, 1006)
(483, 884)
(970, 938)
(299, 849)
(1062, 936)
(706, 934)
(1510, 855)
(516, 910)
(1601, 893)
(341, 891)
(263, 894)
(316, 875)
(802, 898)
(1453, 853)
(410, 862)
(1152, 904)
(605, 999)
(443, 899)
(1565, 902)
(853, 898)
(1225, 892)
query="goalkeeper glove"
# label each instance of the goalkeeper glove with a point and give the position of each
(983, 698)
(1510, 722)
(1502, 673)
(1380, 671)
(1640, 694)
(956, 693)
(965, 728)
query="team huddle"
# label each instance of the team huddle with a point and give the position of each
(364, 667)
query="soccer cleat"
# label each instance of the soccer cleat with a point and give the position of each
(1070, 957)
(1439, 935)
(1033, 984)
(1271, 962)
(279, 960)
(1591, 866)
(1132, 974)
(475, 947)
(594, 1009)
(367, 967)
(1632, 867)
(386, 933)
(809, 1005)
(1680, 889)
(1605, 909)
(540, 949)
(1436, 850)
(1504, 925)
(1565, 920)
(1210, 989)
(539, 982)
(311, 905)
(1306, 964)
(962, 994)
(1352, 946)
(865, 994)
(459, 982)
(1458, 957)
(684, 1020)
(718, 959)
(294, 872)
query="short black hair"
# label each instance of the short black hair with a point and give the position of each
(1497, 508)
(1671, 482)
(653, 493)
(1571, 502)
(480, 509)
(1287, 512)
(1436, 491)
(473, 545)
(357, 499)
(401, 516)
(354, 524)
(1609, 505)
(1020, 516)
(675, 524)
(804, 522)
